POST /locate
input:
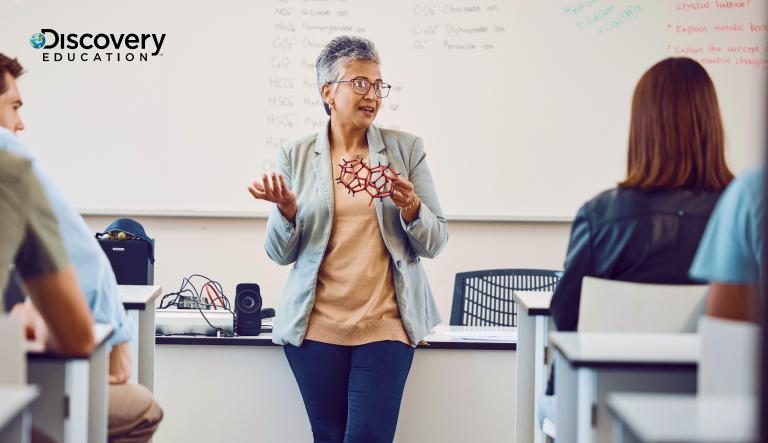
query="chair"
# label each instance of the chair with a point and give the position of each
(730, 358)
(619, 306)
(484, 298)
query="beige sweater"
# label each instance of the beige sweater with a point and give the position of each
(355, 296)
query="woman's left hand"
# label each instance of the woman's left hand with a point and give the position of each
(405, 198)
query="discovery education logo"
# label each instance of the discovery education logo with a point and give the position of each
(61, 47)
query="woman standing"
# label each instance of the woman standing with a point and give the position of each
(357, 300)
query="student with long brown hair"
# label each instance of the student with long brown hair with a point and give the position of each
(648, 228)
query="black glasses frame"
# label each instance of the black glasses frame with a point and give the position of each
(380, 89)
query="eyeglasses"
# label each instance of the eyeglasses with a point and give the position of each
(362, 86)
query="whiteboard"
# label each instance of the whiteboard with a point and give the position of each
(523, 105)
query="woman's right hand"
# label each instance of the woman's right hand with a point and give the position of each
(273, 189)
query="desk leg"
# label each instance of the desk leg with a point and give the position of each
(133, 314)
(539, 371)
(582, 414)
(147, 347)
(525, 412)
(98, 383)
(61, 410)
(586, 400)
(17, 430)
(574, 394)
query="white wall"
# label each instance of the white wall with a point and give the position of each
(563, 108)
(231, 251)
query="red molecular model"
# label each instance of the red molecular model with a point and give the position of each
(357, 176)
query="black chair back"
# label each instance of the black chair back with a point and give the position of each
(484, 298)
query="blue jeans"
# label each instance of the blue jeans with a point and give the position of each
(351, 393)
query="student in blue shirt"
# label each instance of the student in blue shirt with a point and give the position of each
(30, 240)
(730, 255)
(133, 413)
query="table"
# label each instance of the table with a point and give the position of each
(139, 302)
(73, 403)
(15, 420)
(590, 365)
(532, 324)
(668, 418)
(458, 390)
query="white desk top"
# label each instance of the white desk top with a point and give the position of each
(138, 296)
(13, 399)
(101, 333)
(475, 334)
(601, 349)
(536, 302)
(666, 418)
(443, 337)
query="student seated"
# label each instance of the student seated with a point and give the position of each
(29, 238)
(730, 255)
(134, 415)
(647, 229)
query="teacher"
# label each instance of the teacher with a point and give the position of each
(357, 301)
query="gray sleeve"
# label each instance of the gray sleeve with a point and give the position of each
(428, 234)
(282, 239)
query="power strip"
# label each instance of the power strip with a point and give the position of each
(189, 321)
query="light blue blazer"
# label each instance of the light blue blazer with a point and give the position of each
(306, 166)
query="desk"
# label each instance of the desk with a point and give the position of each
(139, 301)
(532, 324)
(73, 405)
(668, 418)
(591, 365)
(457, 391)
(15, 419)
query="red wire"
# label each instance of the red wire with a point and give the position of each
(208, 291)
(218, 295)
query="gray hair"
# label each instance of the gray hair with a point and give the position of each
(337, 54)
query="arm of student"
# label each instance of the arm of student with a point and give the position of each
(578, 263)
(60, 302)
(52, 283)
(734, 302)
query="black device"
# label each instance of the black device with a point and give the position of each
(131, 261)
(248, 309)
